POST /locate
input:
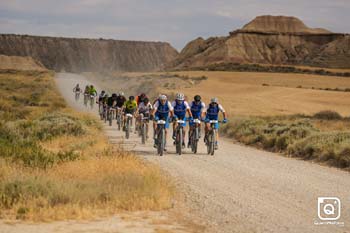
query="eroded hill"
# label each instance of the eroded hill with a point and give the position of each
(270, 40)
(77, 55)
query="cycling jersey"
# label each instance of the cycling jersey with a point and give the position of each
(180, 109)
(92, 91)
(145, 108)
(120, 101)
(139, 100)
(162, 111)
(197, 109)
(110, 101)
(213, 111)
(130, 105)
(76, 89)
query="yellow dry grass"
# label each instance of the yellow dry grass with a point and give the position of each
(244, 94)
(102, 181)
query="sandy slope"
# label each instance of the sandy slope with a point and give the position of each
(242, 189)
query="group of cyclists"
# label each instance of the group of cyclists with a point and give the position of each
(162, 112)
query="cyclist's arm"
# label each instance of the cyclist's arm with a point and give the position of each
(171, 110)
(188, 109)
(203, 110)
(223, 111)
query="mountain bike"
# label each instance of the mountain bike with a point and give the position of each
(86, 99)
(119, 117)
(92, 101)
(211, 137)
(110, 115)
(194, 135)
(101, 109)
(179, 136)
(128, 125)
(161, 139)
(143, 128)
(77, 95)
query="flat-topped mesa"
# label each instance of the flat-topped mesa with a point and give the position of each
(83, 55)
(280, 24)
(277, 40)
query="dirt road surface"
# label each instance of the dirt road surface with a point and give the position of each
(241, 189)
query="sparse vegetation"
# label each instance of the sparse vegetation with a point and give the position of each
(56, 163)
(322, 137)
(238, 67)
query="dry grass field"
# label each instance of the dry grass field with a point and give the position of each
(56, 163)
(266, 94)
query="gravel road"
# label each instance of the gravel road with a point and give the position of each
(242, 189)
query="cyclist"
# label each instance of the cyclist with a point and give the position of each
(140, 98)
(77, 88)
(198, 112)
(181, 107)
(111, 102)
(144, 109)
(87, 90)
(212, 113)
(162, 110)
(129, 107)
(120, 100)
(101, 96)
(92, 90)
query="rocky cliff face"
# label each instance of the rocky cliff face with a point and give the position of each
(270, 40)
(77, 55)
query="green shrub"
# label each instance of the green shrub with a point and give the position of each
(328, 115)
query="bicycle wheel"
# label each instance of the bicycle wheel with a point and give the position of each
(118, 121)
(209, 142)
(161, 141)
(127, 128)
(212, 143)
(179, 140)
(143, 133)
(110, 118)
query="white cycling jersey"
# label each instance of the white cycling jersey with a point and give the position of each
(145, 108)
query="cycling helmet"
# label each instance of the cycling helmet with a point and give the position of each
(146, 100)
(143, 95)
(114, 95)
(102, 92)
(131, 98)
(180, 96)
(197, 98)
(163, 97)
(214, 100)
(121, 93)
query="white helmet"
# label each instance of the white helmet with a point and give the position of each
(180, 96)
(214, 100)
(163, 97)
(121, 93)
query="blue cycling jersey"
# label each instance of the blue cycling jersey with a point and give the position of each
(196, 109)
(213, 112)
(180, 109)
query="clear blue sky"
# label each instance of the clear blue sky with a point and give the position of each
(174, 21)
